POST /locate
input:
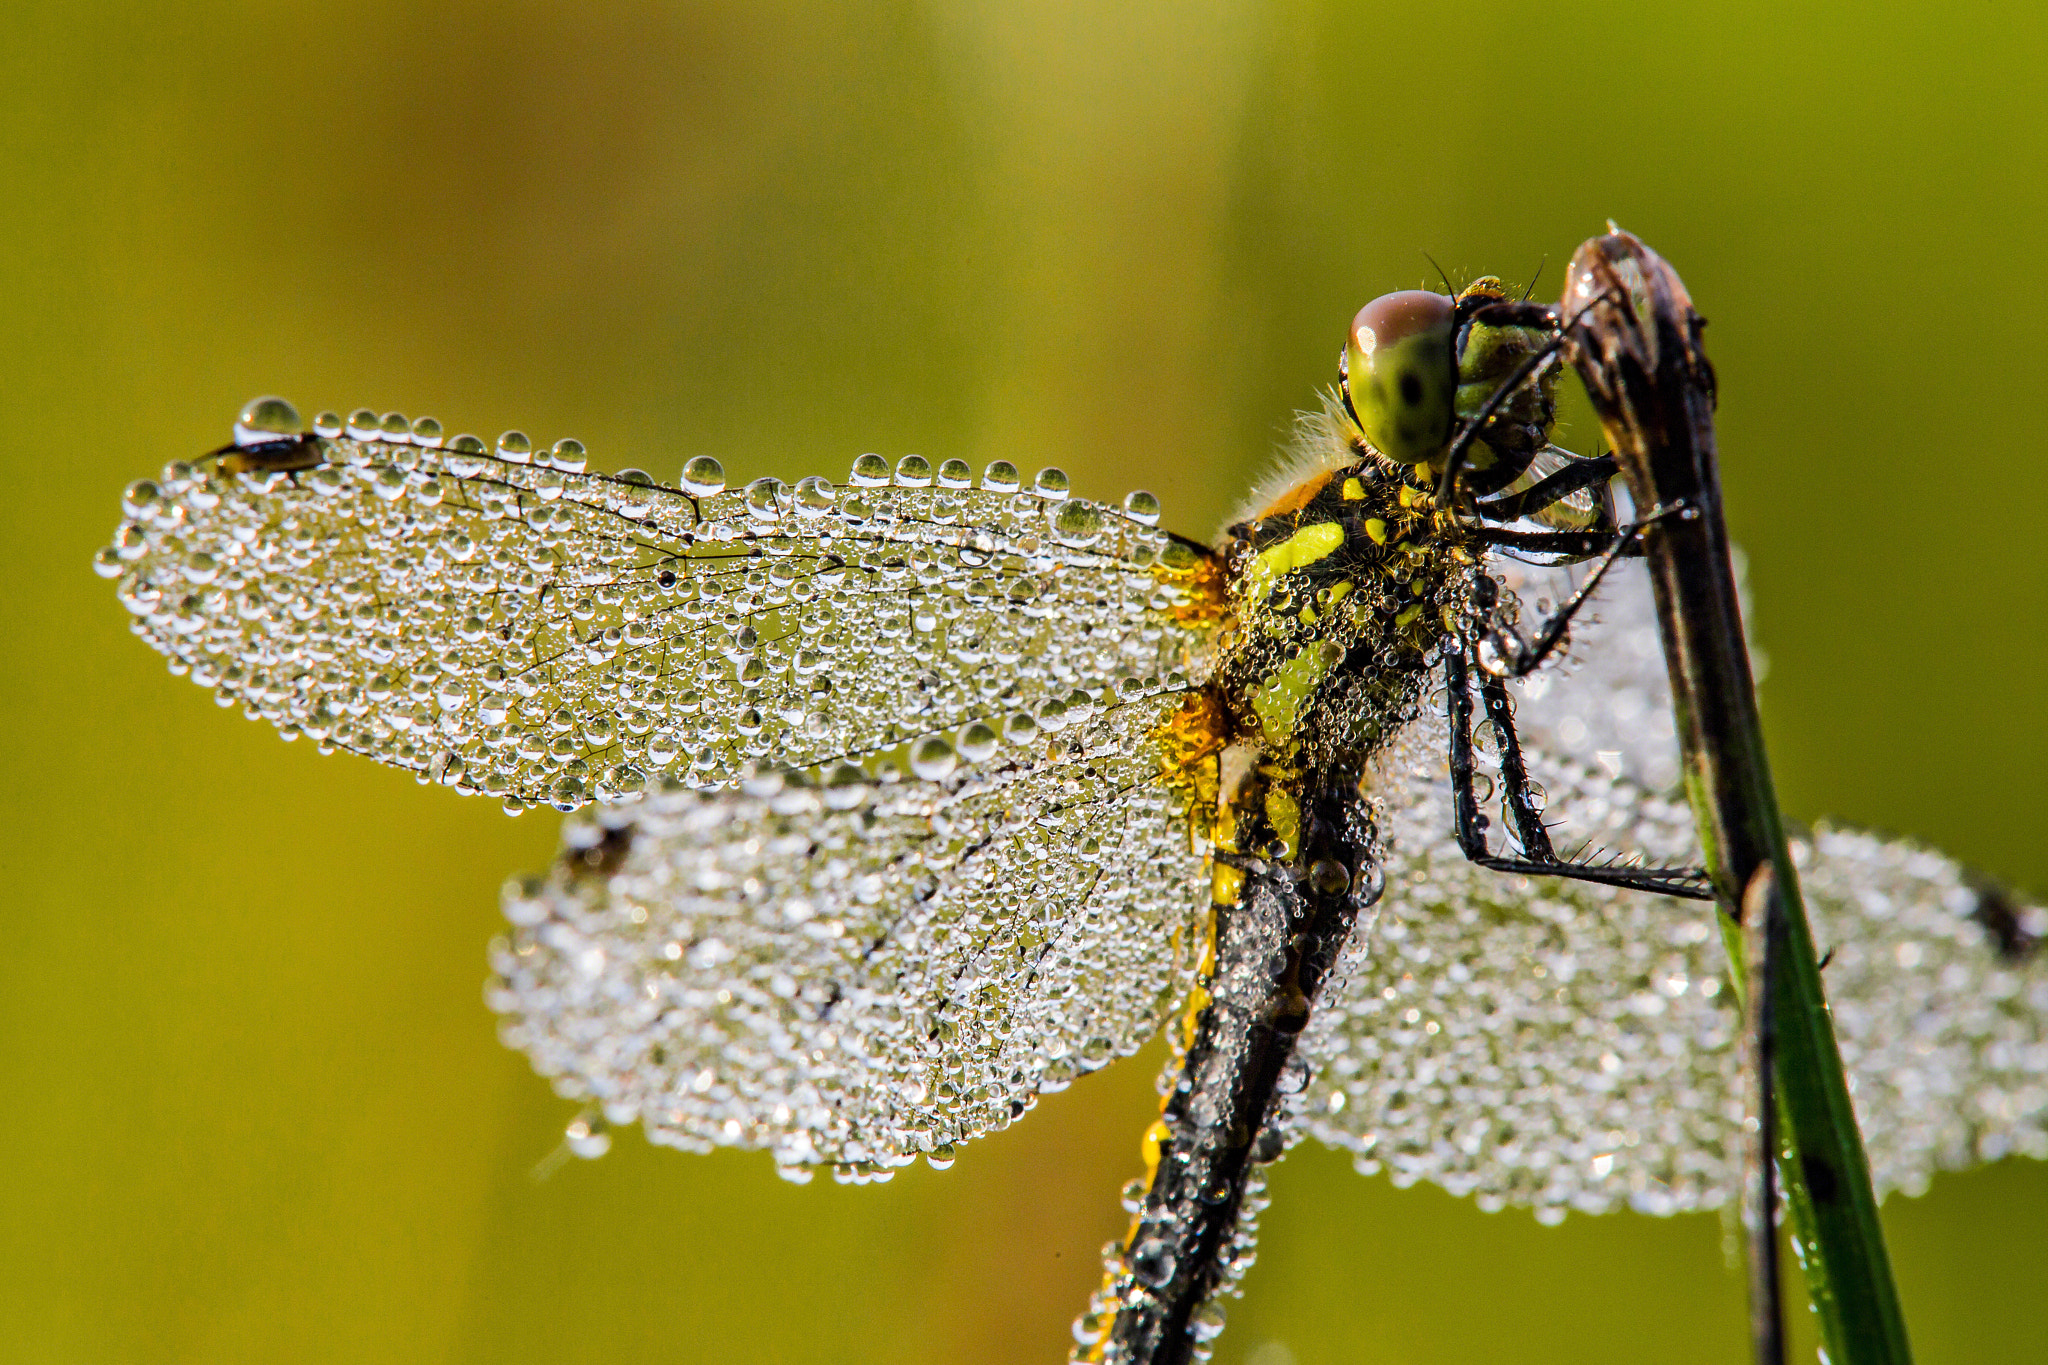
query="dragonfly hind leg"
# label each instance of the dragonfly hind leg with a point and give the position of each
(1539, 858)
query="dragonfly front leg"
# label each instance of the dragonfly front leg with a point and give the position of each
(1538, 858)
(1516, 657)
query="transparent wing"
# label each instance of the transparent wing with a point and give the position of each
(850, 972)
(1561, 1045)
(545, 634)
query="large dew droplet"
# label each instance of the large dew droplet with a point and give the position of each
(426, 432)
(1052, 482)
(955, 474)
(914, 471)
(568, 455)
(1141, 507)
(869, 471)
(932, 757)
(703, 476)
(1076, 523)
(515, 446)
(977, 741)
(815, 496)
(1001, 477)
(364, 425)
(267, 419)
(764, 499)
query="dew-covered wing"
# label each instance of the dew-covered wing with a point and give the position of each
(849, 972)
(1563, 1045)
(539, 633)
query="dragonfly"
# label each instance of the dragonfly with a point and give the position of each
(898, 801)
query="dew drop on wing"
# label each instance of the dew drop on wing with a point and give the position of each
(703, 476)
(267, 419)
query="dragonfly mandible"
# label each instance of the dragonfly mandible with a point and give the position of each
(902, 800)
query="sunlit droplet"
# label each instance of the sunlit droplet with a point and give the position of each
(703, 476)
(267, 419)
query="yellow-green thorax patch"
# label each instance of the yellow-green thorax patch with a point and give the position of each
(1339, 602)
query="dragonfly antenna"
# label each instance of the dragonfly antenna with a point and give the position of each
(1449, 288)
(1541, 261)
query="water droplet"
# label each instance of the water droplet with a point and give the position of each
(764, 499)
(426, 432)
(396, 428)
(1142, 508)
(467, 445)
(955, 474)
(568, 455)
(140, 497)
(932, 757)
(869, 471)
(1001, 477)
(267, 419)
(913, 471)
(815, 496)
(1076, 523)
(977, 741)
(327, 425)
(1020, 728)
(1132, 1196)
(588, 1136)
(515, 446)
(703, 476)
(1370, 885)
(845, 787)
(1052, 482)
(1152, 1262)
(201, 567)
(941, 1157)
(1329, 878)
(364, 425)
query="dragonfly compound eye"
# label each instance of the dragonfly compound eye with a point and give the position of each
(1400, 374)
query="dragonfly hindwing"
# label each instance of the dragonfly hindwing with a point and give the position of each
(853, 973)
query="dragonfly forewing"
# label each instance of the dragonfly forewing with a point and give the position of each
(506, 625)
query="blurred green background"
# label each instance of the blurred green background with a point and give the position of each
(255, 1108)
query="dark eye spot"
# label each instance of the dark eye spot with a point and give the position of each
(1411, 389)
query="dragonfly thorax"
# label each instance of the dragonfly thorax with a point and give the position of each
(1341, 593)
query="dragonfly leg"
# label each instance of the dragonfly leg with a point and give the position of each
(1516, 657)
(1538, 858)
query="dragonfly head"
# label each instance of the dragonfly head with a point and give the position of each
(1399, 374)
(1417, 364)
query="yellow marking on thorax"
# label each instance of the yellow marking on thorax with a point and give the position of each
(1304, 547)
